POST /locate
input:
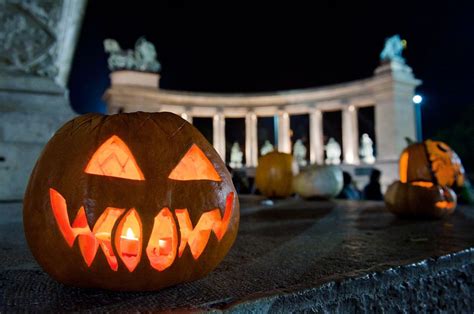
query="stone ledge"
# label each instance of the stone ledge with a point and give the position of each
(292, 256)
(436, 284)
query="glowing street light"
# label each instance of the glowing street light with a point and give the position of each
(417, 99)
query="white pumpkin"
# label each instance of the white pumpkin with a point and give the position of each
(319, 181)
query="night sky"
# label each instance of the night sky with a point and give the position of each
(244, 48)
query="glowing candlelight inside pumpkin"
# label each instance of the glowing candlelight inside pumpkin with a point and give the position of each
(165, 246)
(129, 243)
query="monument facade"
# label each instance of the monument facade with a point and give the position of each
(390, 91)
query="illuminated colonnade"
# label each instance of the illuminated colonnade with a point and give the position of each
(389, 90)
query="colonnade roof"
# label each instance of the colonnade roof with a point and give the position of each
(362, 87)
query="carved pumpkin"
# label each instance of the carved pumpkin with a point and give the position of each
(319, 181)
(431, 161)
(134, 201)
(427, 171)
(420, 199)
(274, 174)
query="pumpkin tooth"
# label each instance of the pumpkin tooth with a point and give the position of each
(198, 236)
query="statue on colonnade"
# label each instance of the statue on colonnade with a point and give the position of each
(299, 153)
(366, 150)
(236, 156)
(333, 152)
(266, 148)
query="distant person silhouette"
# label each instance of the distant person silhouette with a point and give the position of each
(240, 180)
(372, 190)
(349, 190)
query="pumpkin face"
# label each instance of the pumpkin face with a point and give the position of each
(420, 199)
(431, 161)
(135, 201)
(427, 171)
(319, 181)
(274, 174)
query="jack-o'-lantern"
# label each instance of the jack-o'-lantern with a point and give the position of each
(428, 170)
(431, 161)
(133, 201)
(420, 199)
(274, 174)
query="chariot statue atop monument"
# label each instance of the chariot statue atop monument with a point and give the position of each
(142, 58)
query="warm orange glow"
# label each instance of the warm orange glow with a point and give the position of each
(423, 184)
(59, 206)
(114, 159)
(163, 243)
(128, 239)
(103, 233)
(403, 167)
(445, 204)
(446, 165)
(194, 166)
(89, 241)
(198, 237)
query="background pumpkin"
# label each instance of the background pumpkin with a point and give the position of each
(431, 161)
(427, 171)
(319, 181)
(274, 174)
(420, 200)
(134, 182)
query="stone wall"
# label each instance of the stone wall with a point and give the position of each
(38, 39)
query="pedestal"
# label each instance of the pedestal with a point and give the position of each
(35, 57)
(394, 86)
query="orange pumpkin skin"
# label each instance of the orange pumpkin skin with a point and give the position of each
(420, 200)
(274, 174)
(140, 172)
(432, 161)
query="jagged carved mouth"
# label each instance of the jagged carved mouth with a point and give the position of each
(162, 246)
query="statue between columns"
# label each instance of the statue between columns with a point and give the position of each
(236, 156)
(299, 153)
(366, 150)
(267, 147)
(333, 152)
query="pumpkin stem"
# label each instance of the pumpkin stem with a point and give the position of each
(409, 141)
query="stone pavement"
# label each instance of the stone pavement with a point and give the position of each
(296, 255)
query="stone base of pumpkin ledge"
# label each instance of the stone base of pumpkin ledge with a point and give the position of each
(293, 255)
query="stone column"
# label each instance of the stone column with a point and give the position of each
(251, 141)
(350, 135)
(316, 142)
(394, 86)
(38, 42)
(284, 140)
(219, 134)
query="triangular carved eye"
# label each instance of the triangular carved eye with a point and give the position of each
(114, 159)
(194, 166)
